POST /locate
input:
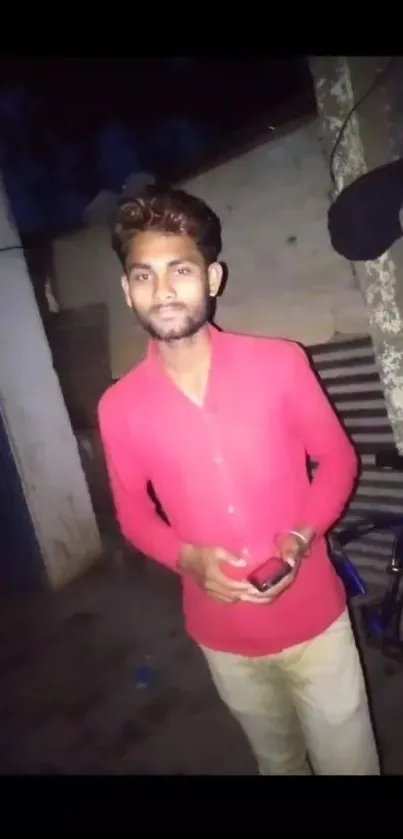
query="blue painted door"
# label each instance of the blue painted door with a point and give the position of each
(21, 567)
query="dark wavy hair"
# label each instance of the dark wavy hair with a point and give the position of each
(167, 211)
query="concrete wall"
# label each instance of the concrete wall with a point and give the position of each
(284, 279)
(38, 425)
(87, 271)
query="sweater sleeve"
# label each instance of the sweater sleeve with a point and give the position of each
(136, 514)
(326, 443)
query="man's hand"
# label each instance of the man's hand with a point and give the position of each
(205, 565)
(290, 549)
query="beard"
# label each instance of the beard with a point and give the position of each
(181, 322)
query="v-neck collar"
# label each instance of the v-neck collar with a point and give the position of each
(153, 359)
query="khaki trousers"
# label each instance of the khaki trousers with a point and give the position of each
(308, 701)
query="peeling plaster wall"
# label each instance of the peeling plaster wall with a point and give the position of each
(284, 277)
(377, 278)
(38, 425)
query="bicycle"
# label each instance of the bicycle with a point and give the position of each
(380, 618)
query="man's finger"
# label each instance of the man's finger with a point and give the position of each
(219, 577)
(220, 597)
(225, 556)
(220, 582)
(290, 560)
(271, 594)
(281, 586)
(263, 600)
(223, 595)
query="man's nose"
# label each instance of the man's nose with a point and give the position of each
(163, 288)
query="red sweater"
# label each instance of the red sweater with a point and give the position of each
(233, 474)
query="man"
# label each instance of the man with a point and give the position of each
(221, 425)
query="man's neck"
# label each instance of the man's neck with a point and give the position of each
(182, 357)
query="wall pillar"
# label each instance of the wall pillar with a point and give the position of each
(38, 425)
(371, 138)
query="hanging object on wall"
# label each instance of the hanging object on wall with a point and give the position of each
(101, 210)
(136, 182)
(365, 219)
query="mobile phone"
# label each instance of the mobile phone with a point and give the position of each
(269, 574)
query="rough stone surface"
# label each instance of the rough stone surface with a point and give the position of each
(365, 143)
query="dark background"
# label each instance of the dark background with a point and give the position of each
(71, 127)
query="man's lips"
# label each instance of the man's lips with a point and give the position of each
(169, 311)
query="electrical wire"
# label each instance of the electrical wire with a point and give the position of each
(377, 81)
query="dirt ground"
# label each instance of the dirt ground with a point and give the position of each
(71, 703)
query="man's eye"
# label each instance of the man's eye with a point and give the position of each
(142, 278)
(182, 270)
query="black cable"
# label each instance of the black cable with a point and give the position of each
(11, 248)
(377, 81)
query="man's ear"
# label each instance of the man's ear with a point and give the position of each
(215, 275)
(126, 290)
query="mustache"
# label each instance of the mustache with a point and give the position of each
(157, 309)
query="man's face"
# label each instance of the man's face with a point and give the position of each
(168, 285)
